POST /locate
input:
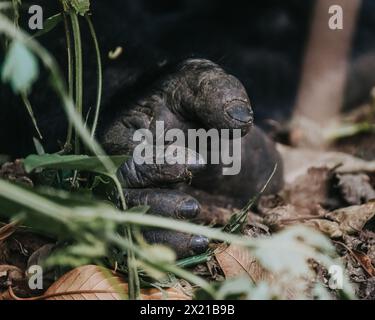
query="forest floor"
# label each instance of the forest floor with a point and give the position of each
(330, 190)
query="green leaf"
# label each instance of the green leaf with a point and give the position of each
(234, 288)
(288, 254)
(29, 109)
(5, 5)
(20, 68)
(72, 162)
(38, 146)
(80, 6)
(289, 251)
(49, 24)
(58, 213)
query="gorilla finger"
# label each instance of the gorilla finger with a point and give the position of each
(163, 202)
(140, 174)
(202, 90)
(184, 245)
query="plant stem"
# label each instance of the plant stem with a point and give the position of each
(68, 40)
(73, 115)
(58, 83)
(134, 284)
(238, 219)
(27, 104)
(195, 260)
(99, 75)
(16, 13)
(16, 16)
(78, 72)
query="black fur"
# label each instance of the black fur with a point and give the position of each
(260, 42)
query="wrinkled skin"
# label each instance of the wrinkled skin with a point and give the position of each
(198, 94)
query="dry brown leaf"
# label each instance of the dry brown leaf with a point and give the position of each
(282, 216)
(329, 228)
(10, 276)
(298, 161)
(236, 261)
(97, 283)
(355, 189)
(269, 202)
(15, 171)
(353, 219)
(365, 262)
(12, 273)
(5, 296)
(7, 230)
(363, 259)
(218, 216)
(309, 190)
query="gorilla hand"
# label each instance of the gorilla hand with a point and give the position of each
(197, 94)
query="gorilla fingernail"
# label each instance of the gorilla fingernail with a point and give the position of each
(184, 245)
(240, 112)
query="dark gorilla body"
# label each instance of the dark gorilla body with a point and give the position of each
(168, 49)
(261, 43)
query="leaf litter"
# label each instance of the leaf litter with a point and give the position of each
(332, 192)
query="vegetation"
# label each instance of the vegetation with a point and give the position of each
(95, 231)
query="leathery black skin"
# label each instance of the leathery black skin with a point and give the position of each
(199, 94)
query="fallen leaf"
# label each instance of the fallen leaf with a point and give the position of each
(269, 202)
(289, 252)
(214, 215)
(353, 219)
(329, 228)
(11, 273)
(15, 172)
(298, 161)
(355, 189)
(7, 230)
(286, 215)
(97, 283)
(365, 262)
(11, 276)
(236, 261)
(309, 190)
